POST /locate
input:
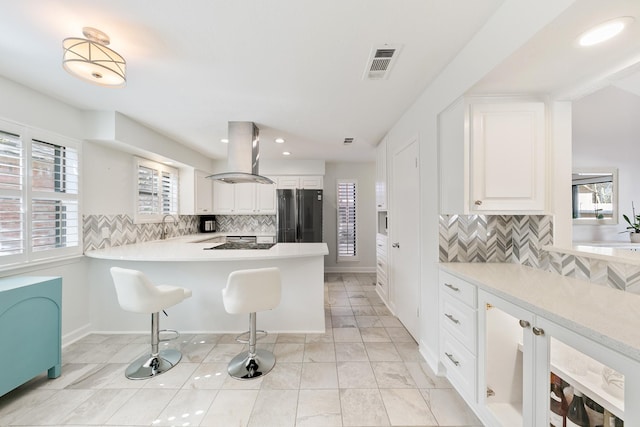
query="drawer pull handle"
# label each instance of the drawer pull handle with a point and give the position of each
(537, 331)
(453, 319)
(477, 202)
(450, 356)
(453, 288)
(524, 323)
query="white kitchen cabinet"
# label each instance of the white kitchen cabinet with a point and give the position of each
(244, 199)
(203, 193)
(382, 272)
(309, 182)
(381, 176)
(492, 157)
(196, 193)
(517, 349)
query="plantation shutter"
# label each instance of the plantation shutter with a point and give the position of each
(346, 239)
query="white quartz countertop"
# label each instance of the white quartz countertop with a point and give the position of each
(605, 315)
(628, 253)
(190, 248)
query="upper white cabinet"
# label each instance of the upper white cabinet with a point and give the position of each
(310, 182)
(381, 176)
(203, 193)
(492, 157)
(244, 199)
(196, 193)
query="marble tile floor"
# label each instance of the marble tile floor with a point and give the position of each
(364, 371)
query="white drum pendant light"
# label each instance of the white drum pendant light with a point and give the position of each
(91, 60)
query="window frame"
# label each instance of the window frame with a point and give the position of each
(27, 195)
(155, 217)
(355, 256)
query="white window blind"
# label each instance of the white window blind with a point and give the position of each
(157, 191)
(39, 190)
(347, 216)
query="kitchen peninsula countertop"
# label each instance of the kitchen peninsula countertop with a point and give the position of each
(602, 314)
(192, 248)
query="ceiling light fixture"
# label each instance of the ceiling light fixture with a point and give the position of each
(604, 31)
(224, 140)
(279, 140)
(286, 153)
(91, 60)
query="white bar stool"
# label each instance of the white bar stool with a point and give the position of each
(249, 291)
(137, 294)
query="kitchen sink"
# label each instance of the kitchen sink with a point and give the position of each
(243, 245)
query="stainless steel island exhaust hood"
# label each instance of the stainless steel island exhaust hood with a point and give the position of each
(243, 156)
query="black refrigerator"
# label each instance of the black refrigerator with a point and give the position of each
(299, 216)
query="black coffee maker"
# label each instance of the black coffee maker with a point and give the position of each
(207, 224)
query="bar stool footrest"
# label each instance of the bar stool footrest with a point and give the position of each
(260, 334)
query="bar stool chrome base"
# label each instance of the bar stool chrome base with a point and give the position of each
(148, 366)
(245, 367)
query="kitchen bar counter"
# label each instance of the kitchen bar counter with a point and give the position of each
(191, 248)
(605, 315)
(181, 262)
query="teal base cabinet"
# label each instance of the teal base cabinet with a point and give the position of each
(30, 329)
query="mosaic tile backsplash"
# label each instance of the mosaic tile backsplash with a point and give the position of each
(246, 223)
(123, 231)
(519, 239)
(496, 238)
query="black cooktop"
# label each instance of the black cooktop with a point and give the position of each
(236, 245)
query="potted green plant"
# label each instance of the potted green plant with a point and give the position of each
(634, 226)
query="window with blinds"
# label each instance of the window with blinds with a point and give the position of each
(157, 191)
(39, 191)
(347, 216)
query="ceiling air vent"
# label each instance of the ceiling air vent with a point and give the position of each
(381, 59)
(348, 141)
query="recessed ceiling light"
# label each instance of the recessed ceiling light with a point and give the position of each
(604, 31)
(224, 140)
(168, 163)
(286, 153)
(279, 140)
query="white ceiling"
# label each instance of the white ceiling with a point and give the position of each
(294, 67)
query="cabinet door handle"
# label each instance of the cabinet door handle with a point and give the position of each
(537, 331)
(453, 288)
(396, 245)
(453, 319)
(450, 356)
(477, 202)
(524, 323)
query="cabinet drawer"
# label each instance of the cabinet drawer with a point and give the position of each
(381, 245)
(459, 320)
(460, 365)
(458, 288)
(265, 239)
(381, 265)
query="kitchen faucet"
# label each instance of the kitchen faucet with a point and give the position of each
(163, 233)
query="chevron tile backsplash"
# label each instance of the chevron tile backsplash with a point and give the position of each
(246, 223)
(123, 231)
(495, 238)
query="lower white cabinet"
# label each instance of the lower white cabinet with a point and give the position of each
(507, 382)
(382, 281)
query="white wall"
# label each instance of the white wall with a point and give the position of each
(487, 50)
(365, 175)
(606, 133)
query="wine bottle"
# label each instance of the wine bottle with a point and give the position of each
(577, 414)
(558, 405)
(595, 412)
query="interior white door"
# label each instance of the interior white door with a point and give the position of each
(405, 236)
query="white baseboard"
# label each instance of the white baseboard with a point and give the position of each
(349, 269)
(74, 336)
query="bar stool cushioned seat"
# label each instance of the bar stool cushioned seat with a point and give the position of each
(136, 294)
(250, 291)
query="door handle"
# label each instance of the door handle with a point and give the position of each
(396, 245)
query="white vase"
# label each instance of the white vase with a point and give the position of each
(635, 237)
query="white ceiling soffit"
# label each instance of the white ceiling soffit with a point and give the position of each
(553, 63)
(381, 60)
